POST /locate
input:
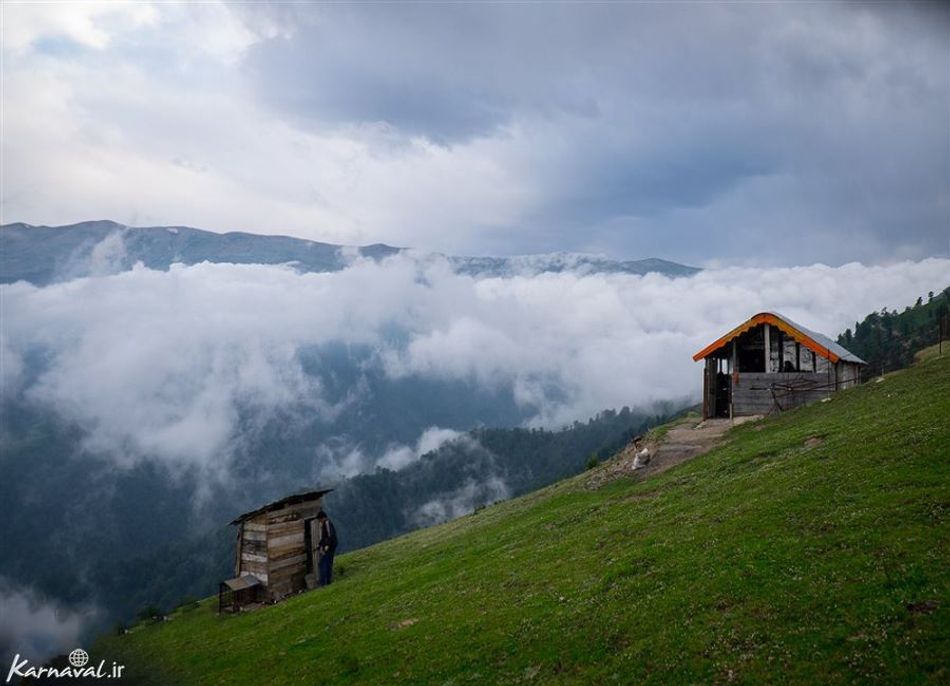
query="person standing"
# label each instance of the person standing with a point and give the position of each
(326, 547)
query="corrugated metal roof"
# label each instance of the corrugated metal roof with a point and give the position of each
(283, 502)
(815, 341)
(822, 339)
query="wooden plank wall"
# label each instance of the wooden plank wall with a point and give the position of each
(753, 393)
(286, 548)
(254, 548)
(849, 374)
(286, 553)
(272, 547)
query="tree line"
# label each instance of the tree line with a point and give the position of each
(888, 339)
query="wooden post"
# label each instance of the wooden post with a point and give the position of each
(781, 351)
(239, 546)
(732, 379)
(768, 350)
(706, 384)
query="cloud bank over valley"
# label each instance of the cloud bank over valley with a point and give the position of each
(184, 365)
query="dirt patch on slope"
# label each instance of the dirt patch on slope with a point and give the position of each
(683, 441)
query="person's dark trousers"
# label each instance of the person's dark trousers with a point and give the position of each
(326, 568)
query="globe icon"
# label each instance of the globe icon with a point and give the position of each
(78, 658)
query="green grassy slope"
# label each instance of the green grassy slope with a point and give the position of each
(813, 548)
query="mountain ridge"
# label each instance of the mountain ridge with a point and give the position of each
(44, 254)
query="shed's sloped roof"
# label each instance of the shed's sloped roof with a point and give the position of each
(283, 502)
(819, 343)
(239, 583)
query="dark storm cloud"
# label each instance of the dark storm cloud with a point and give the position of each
(730, 133)
(448, 72)
(777, 124)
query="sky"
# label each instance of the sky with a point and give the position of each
(760, 134)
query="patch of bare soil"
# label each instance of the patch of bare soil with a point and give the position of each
(402, 624)
(924, 607)
(682, 442)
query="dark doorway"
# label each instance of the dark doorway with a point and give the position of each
(750, 350)
(723, 394)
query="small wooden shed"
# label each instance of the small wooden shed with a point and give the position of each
(276, 543)
(241, 591)
(768, 364)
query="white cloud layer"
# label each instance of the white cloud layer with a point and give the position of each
(460, 501)
(89, 24)
(341, 457)
(178, 364)
(35, 628)
(399, 456)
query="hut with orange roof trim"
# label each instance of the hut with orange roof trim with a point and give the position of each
(768, 364)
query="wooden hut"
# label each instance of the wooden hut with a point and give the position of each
(276, 545)
(768, 364)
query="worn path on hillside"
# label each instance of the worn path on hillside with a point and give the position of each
(686, 439)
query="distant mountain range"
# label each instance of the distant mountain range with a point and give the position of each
(44, 254)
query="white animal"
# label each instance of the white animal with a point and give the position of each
(642, 459)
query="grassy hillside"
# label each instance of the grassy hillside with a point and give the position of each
(813, 548)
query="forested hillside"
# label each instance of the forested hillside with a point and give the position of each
(887, 340)
(477, 469)
(152, 541)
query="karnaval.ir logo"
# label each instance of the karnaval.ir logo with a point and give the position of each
(78, 667)
(78, 658)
